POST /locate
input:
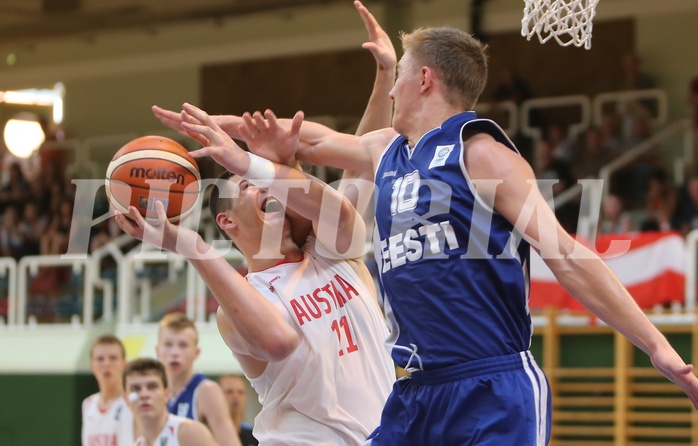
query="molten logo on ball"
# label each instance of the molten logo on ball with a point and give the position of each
(157, 174)
(151, 169)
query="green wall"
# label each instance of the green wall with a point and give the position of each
(42, 409)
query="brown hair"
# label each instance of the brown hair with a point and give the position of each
(144, 366)
(459, 59)
(222, 196)
(108, 339)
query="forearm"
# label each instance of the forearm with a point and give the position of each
(379, 110)
(593, 284)
(256, 321)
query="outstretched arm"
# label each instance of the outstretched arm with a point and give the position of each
(578, 269)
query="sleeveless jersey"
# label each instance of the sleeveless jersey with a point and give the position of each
(184, 403)
(168, 434)
(332, 388)
(111, 427)
(453, 273)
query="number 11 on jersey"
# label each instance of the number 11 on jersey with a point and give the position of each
(342, 325)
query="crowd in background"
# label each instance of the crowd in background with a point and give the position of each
(642, 194)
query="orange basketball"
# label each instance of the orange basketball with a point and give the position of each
(150, 169)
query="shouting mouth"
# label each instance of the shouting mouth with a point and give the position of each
(272, 205)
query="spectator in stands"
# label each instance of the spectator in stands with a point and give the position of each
(32, 226)
(55, 239)
(48, 184)
(511, 87)
(687, 216)
(558, 138)
(612, 134)
(660, 202)
(634, 77)
(591, 155)
(11, 240)
(614, 219)
(17, 190)
(549, 167)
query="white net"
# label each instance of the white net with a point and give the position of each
(567, 21)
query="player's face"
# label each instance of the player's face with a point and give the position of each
(107, 363)
(177, 350)
(234, 390)
(151, 394)
(254, 210)
(404, 92)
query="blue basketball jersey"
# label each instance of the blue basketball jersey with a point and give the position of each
(453, 273)
(184, 403)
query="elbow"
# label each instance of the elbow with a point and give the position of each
(281, 345)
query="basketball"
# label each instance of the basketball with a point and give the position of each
(151, 169)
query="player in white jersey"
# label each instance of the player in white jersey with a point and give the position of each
(106, 418)
(305, 326)
(146, 383)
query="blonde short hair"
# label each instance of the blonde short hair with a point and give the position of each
(177, 321)
(459, 59)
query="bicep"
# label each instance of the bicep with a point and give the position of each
(507, 184)
(344, 151)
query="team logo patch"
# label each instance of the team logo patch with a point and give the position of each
(182, 409)
(441, 155)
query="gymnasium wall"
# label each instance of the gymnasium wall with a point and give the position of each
(111, 79)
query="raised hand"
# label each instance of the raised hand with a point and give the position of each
(266, 138)
(217, 143)
(169, 118)
(379, 43)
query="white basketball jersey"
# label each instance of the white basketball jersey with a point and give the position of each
(331, 389)
(168, 434)
(110, 427)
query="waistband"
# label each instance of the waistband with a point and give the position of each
(477, 367)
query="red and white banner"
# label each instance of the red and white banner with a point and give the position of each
(652, 270)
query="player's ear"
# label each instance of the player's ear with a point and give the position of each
(427, 77)
(225, 221)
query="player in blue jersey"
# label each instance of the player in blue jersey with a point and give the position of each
(192, 395)
(457, 208)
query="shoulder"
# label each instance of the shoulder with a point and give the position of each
(377, 140)
(88, 401)
(210, 393)
(486, 158)
(193, 433)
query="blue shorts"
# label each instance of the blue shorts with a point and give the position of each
(500, 401)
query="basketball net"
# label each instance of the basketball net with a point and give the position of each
(567, 21)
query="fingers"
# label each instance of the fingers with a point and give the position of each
(160, 210)
(296, 123)
(259, 122)
(271, 117)
(370, 22)
(127, 225)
